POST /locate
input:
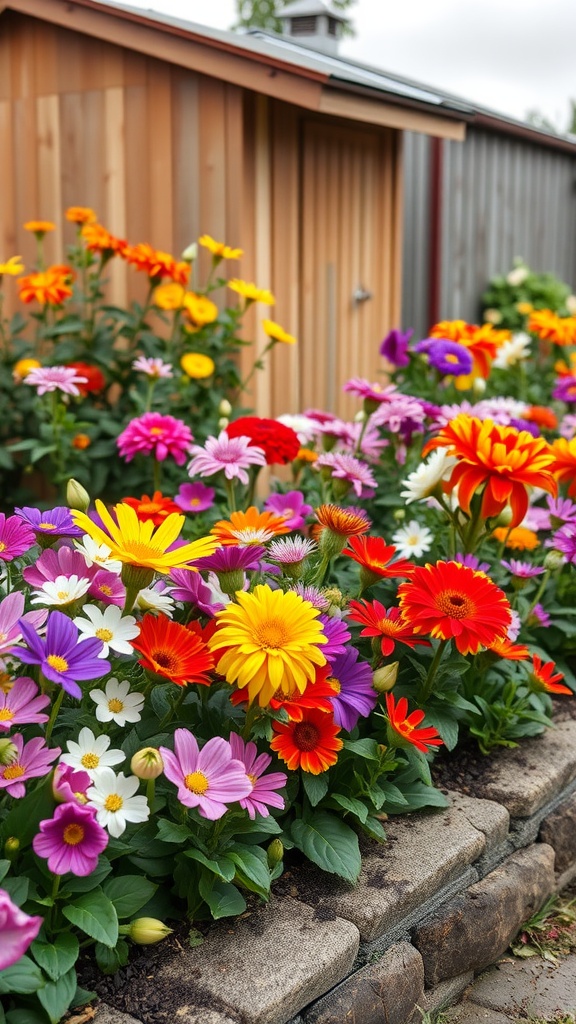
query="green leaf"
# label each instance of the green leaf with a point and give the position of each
(84, 883)
(364, 748)
(252, 871)
(160, 700)
(56, 958)
(26, 1016)
(350, 803)
(222, 866)
(223, 898)
(56, 996)
(95, 915)
(4, 868)
(373, 828)
(446, 725)
(329, 843)
(17, 887)
(110, 960)
(23, 977)
(315, 787)
(418, 795)
(128, 893)
(171, 832)
(393, 795)
(23, 820)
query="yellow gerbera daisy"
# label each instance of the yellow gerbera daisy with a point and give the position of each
(219, 250)
(136, 543)
(277, 333)
(197, 366)
(251, 292)
(12, 267)
(272, 643)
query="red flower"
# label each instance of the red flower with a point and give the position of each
(375, 556)
(311, 744)
(279, 442)
(405, 726)
(542, 678)
(173, 651)
(389, 624)
(95, 380)
(155, 508)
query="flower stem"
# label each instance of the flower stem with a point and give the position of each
(53, 714)
(429, 682)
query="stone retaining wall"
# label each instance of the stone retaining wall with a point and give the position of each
(438, 902)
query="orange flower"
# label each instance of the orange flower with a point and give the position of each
(81, 441)
(155, 508)
(98, 239)
(250, 527)
(541, 416)
(453, 330)
(375, 557)
(563, 369)
(311, 744)
(551, 327)
(39, 227)
(306, 455)
(80, 215)
(48, 287)
(502, 461)
(156, 263)
(406, 726)
(564, 467)
(510, 651)
(317, 695)
(345, 522)
(173, 651)
(389, 624)
(520, 538)
(482, 343)
(450, 601)
(542, 679)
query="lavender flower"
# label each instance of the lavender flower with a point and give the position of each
(523, 570)
(338, 636)
(472, 562)
(62, 658)
(565, 541)
(354, 694)
(55, 378)
(346, 467)
(191, 589)
(561, 510)
(565, 390)
(264, 787)
(54, 523)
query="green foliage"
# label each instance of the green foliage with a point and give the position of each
(508, 298)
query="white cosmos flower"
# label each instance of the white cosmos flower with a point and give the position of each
(113, 797)
(512, 351)
(412, 540)
(91, 753)
(97, 554)
(109, 626)
(62, 590)
(423, 481)
(117, 704)
(152, 600)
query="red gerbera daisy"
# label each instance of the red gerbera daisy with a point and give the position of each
(542, 679)
(405, 726)
(173, 651)
(311, 744)
(389, 624)
(155, 508)
(95, 379)
(279, 442)
(375, 557)
(450, 601)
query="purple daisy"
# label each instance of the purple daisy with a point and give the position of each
(195, 497)
(472, 562)
(523, 570)
(33, 759)
(290, 505)
(394, 347)
(55, 378)
(191, 589)
(51, 564)
(16, 537)
(17, 929)
(22, 705)
(312, 594)
(11, 609)
(71, 841)
(354, 694)
(539, 617)
(449, 358)
(208, 779)
(264, 787)
(50, 525)
(233, 558)
(62, 658)
(561, 510)
(346, 467)
(519, 424)
(565, 390)
(338, 634)
(373, 393)
(232, 456)
(403, 415)
(567, 427)
(565, 541)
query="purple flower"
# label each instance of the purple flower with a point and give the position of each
(22, 705)
(369, 392)
(562, 510)
(471, 562)
(71, 841)
(16, 537)
(70, 785)
(194, 497)
(312, 594)
(55, 378)
(403, 415)
(232, 456)
(105, 586)
(567, 427)
(565, 390)
(51, 564)
(565, 541)
(538, 617)
(290, 505)
(11, 609)
(523, 570)
(449, 358)
(191, 589)
(264, 787)
(32, 759)
(354, 694)
(346, 467)
(536, 519)
(62, 657)
(208, 779)
(50, 525)
(338, 635)
(520, 424)
(17, 929)
(394, 347)
(233, 558)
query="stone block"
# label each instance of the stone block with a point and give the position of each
(489, 817)
(472, 930)
(528, 988)
(424, 853)
(108, 1015)
(558, 829)
(446, 993)
(384, 992)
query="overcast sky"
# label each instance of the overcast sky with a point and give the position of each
(511, 55)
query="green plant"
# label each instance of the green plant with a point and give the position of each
(509, 298)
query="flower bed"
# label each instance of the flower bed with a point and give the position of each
(196, 682)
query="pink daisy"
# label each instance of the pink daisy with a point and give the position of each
(11, 612)
(55, 378)
(208, 779)
(264, 787)
(69, 784)
(153, 368)
(16, 537)
(153, 433)
(372, 392)
(194, 497)
(107, 587)
(231, 455)
(32, 759)
(350, 469)
(52, 564)
(22, 705)
(71, 841)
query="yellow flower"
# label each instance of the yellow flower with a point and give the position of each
(271, 642)
(277, 333)
(519, 538)
(133, 542)
(80, 215)
(22, 368)
(201, 310)
(525, 308)
(197, 366)
(219, 250)
(12, 267)
(39, 227)
(251, 292)
(169, 296)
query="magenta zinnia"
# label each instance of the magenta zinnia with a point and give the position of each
(163, 436)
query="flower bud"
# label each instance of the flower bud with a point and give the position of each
(360, 416)
(399, 514)
(8, 752)
(145, 931)
(554, 559)
(383, 679)
(77, 496)
(223, 423)
(505, 517)
(11, 848)
(479, 386)
(224, 409)
(275, 852)
(147, 763)
(190, 253)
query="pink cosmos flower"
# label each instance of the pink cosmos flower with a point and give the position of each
(230, 455)
(372, 392)
(108, 588)
(16, 537)
(17, 929)
(71, 841)
(33, 759)
(350, 469)
(55, 378)
(208, 779)
(153, 368)
(291, 550)
(69, 784)
(51, 564)
(11, 609)
(162, 435)
(194, 497)
(290, 505)
(22, 705)
(264, 787)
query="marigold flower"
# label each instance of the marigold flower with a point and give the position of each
(154, 262)
(80, 215)
(169, 296)
(564, 465)
(311, 744)
(39, 227)
(200, 309)
(406, 726)
(550, 327)
(48, 287)
(249, 527)
(173, 651)
(13, 266)
(81, 441)
(519, 538)
(251, 292)
(277, 333)
(219, 250)
(450, 601)
(197, 366)
(99, 240)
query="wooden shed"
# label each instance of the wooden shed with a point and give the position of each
(168, 130)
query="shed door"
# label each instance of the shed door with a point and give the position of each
(350, 250)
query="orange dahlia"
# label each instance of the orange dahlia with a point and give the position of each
(560, 330)
(389, 624)
(406, 726)
(249, 527)
(564, 465)
(49, 287)
(501, 460)
(520, 538)
(542, 679)
(450, 601)
(311, 744)
(80, 215)
(173, 651)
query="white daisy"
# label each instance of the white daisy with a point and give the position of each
(109, 626)
(152, 600)
(63, 590)
(113, 797)
(423, 481)
(512, 351)
(91, 754)
(117, 704)
(97, 554)
(412, 540)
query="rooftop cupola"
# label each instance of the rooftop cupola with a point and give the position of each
(313, 23)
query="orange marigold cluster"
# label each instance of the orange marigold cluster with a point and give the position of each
(49, 287)
(560, 330)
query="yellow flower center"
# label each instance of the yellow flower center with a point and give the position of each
(195, 501)
(57, 663)
(113, 802)
(14, 771)
(73, 834)
(104, 634)
(196, 782)
(253, 779)
(105, 589)
(81, 798)
(90, 761)
(157, 431)
(2, 546)
(457, 606)
(6, 715)
(334, 684)
(46, 526)
(115, 705)
(272, 634)
(62, 595)
(451, 358)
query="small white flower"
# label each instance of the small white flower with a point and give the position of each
(412, 540)
(423, 481)
(512, 351)
(91, 754)
(517, 276)
(63, 590)
(152, 600)
(117, 704)
(97, 554)
(113, 797)
(571, 305)
(305, 427)
(109, 626)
